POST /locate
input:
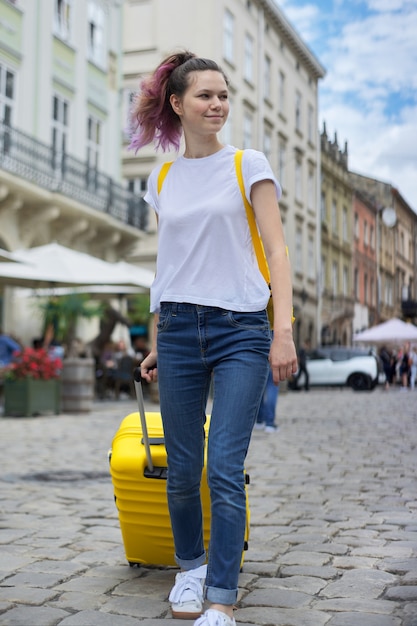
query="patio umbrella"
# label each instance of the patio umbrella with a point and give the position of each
(54, 264)
(392, 331)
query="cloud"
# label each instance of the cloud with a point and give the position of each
(369, 95)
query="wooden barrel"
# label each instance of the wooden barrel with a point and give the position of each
(78, 382)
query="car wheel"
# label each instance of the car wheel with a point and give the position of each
(359, 382)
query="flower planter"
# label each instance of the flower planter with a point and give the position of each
(30, 396)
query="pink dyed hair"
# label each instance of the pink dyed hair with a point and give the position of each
(152, 118)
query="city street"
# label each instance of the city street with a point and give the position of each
(333, 498)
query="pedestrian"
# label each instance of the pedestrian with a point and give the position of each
(266, 415)
(413, 367)
(209, 300)
(386, 359)
(302, 366)
(405, 366)
(8, 346)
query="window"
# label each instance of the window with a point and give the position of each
(323, 211)
(335, 280)
(96, 23)
(282, 159)
(372, 238)
(228, 36)
(247, 130)
(227, 130)
(298, 101)
(267, 77)
(62, 18)
(281, 93)
(310, 189)
(298, 180)
(356, 283)
(298, 250)
(365, 233)
(310, 124)
(365, 288)
(311, 258)
(334, 217)
(138, 214)
(248, 58)
(7, 93)
(345, 224)
(60, 121)
(323, 274)
(345, 280)
(93, 151)
(267, 144)
(356, 225)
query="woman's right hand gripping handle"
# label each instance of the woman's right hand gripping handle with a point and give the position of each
(148, 368)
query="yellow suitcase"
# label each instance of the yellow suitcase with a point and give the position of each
(138, 468)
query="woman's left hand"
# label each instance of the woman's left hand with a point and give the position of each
(283, 357)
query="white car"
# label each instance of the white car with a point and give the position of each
(340, 365)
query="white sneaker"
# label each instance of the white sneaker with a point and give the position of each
(271, 429)
(259, 426)
(187, 594)
(212, 617)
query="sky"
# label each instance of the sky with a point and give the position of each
(369, 94)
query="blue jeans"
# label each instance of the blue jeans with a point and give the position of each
(198, 345)
(267, 409)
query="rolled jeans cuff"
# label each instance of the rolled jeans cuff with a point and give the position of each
(215, 595)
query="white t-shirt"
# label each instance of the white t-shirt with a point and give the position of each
(205, 250)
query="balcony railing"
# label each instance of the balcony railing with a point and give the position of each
(39, 163)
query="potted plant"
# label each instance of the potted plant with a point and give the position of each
(32, 383)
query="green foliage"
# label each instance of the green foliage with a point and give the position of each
(62, 313)
(138, 310)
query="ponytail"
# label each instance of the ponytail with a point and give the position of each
(152, 117)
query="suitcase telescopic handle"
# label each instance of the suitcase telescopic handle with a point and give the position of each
(139, 396)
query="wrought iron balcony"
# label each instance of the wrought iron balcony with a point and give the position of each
(39, 163)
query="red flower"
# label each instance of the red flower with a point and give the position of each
(30, 363)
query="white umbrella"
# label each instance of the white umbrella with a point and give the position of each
(56, 264)
(393, 331)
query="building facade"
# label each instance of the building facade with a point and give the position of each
(365, 268)
(396, 231)
(274, 81)
(60, 112)
(337, 306)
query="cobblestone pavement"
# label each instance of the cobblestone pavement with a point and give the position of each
(333, 499)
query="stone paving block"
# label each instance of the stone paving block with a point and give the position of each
(355, 562)
(97, 618)
(305, 584)
(78, 601)
(139, 606)
(261, 569)
(26, 595)
(404, 592)
(86, 584)
(260, 616)
(282, 598)
(399, 566)
(366, 619)
(364, 583)
(355, 604)
(327, 548)
(33, 616)
(313, 559)
(327, 573)
(33, 579)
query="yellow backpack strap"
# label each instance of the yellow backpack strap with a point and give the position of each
(162, 175)
(257, 242)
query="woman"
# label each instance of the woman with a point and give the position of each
(209, 300)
